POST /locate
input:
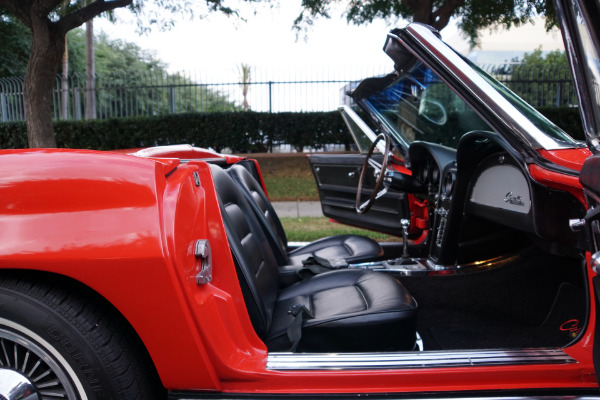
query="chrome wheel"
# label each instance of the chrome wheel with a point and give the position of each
(28, 371)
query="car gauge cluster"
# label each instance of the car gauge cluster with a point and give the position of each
(428, 174)
(448, 182)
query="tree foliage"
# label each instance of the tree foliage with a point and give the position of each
(546, 60)
(472, 15)
(14, 47)
(124, 67)
(50, 20)
(542, 78)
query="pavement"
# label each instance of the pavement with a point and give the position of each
(297, 209)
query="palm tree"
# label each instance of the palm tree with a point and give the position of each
(64, 76)
(90, 97)
(245, 81)
(90, 71)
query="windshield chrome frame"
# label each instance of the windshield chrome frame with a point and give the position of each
(348, 112)
(577, 59)
(476, 86)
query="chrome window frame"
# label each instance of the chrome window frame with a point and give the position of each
(475, 86)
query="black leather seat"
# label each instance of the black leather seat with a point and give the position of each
(350, 248)
(347, 310)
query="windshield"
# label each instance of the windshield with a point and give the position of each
(416, 104)
(420, 106)
(541, 122)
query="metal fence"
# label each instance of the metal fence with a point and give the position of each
(158, 93)
(540, 86)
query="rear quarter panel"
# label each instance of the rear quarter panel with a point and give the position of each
(117, 224)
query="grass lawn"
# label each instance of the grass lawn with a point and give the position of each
(287, 176)
(308, 229)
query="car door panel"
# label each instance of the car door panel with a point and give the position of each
(337, 178)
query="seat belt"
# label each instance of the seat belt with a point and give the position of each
(294, 330)
(315, 265)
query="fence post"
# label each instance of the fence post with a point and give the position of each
(270, 96)
(77, 101)
(172, 99)
(3, 107)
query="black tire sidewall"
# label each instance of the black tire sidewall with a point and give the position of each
(60, 338)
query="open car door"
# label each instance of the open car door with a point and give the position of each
(581, 34)
(590, 180)
(337, 178)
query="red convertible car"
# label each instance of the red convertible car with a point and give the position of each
(166, 273)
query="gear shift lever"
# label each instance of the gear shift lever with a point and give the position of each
(405, 265)
(405, 259)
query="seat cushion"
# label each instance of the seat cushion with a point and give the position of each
(351, 248)
(353, 309)
(255, 264)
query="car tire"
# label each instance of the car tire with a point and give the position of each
(62, 341)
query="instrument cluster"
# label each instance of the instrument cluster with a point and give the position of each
(428, 173)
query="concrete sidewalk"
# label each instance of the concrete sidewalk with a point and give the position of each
(297, 209)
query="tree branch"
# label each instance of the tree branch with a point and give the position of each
(18, 9)
(421, 10)
(88, 12)
(45, 7)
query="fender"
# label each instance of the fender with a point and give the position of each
(116, 212)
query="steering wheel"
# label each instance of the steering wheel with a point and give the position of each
(379, 173)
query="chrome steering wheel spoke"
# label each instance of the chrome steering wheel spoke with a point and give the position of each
(381, 185)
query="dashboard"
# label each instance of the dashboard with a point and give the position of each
(434, 166)
(482, 194)
(500, 192)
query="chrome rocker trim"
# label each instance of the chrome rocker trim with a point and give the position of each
(414, 360)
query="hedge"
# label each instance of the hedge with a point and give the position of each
(242, 132)
(568, 119)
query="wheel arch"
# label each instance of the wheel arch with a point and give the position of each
(73, 285)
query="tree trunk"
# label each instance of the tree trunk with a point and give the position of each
(47, 48)
(422, 10)
(90, 67)
(64, 83)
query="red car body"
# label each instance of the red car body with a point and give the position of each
(124, 225)
(122, 228)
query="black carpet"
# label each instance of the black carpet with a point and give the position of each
(537, 301)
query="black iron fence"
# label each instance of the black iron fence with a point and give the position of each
(153, 94)
(540, 86)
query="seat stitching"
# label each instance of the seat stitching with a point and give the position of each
(348, 248)
(363, 296)
(258, 270)
(247, 237)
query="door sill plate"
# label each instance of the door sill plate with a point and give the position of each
(414, 360)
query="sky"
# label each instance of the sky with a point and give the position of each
(212, 49)
(266, 40)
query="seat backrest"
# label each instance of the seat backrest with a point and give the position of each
(256, 265)
(264, 209)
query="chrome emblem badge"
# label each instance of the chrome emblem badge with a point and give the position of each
(512, 199)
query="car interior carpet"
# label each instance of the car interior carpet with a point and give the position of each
(516, 305)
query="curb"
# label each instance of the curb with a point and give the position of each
(297, 209)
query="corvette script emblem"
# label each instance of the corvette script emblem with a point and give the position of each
(512, 199)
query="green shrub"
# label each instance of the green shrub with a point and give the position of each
(242, 132)
(566, 118)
